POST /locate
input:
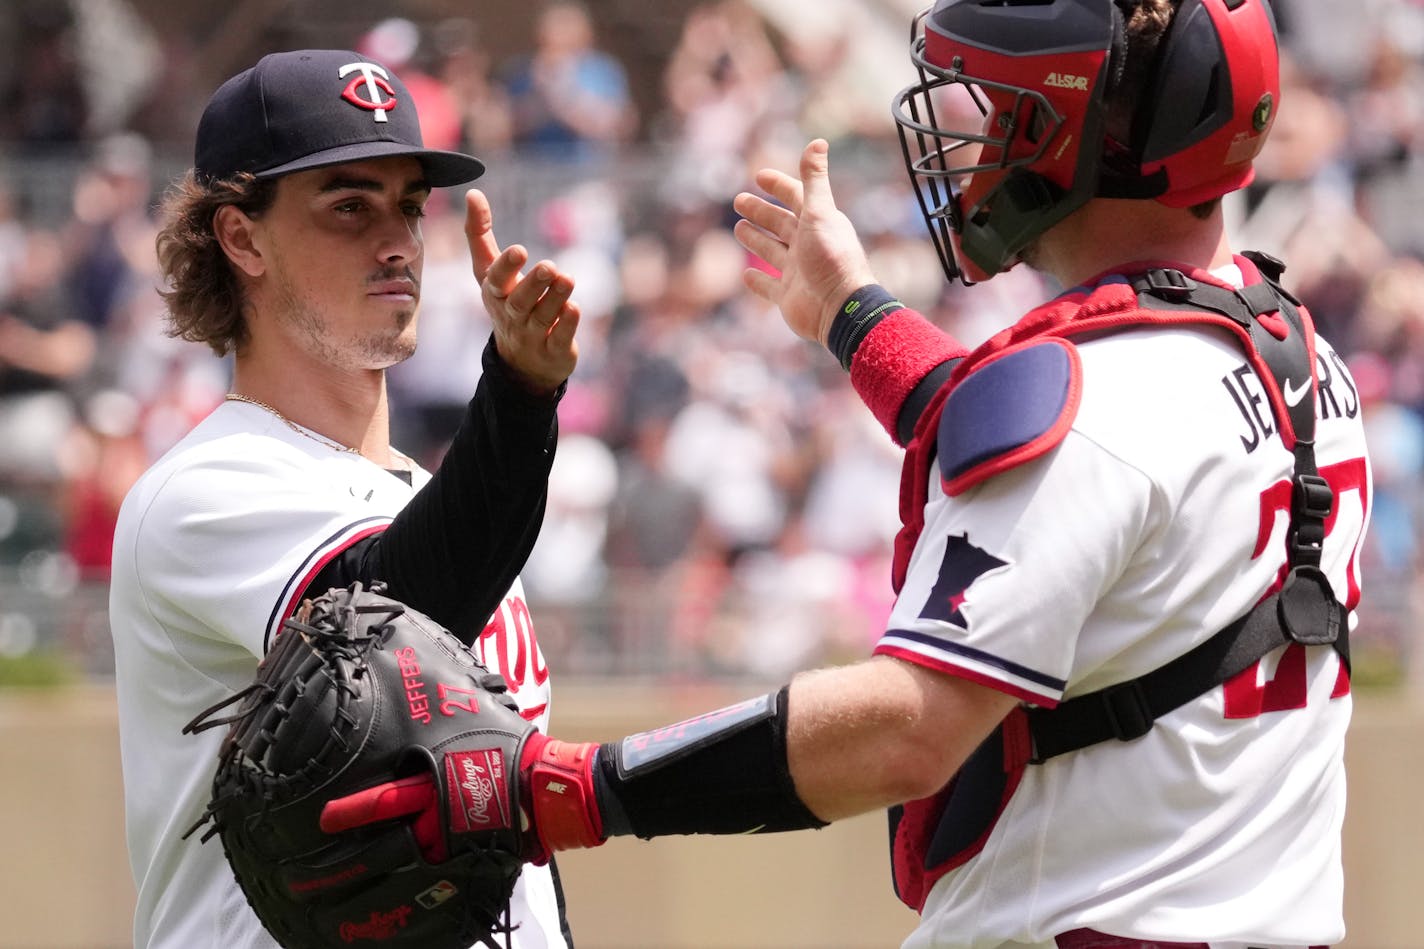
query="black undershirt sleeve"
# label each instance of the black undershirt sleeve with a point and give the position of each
(454, 550)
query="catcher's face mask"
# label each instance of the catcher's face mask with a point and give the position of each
(1004, 133)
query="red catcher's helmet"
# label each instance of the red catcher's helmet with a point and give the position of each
(1022, 86)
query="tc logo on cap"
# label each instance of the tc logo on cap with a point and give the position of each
(374, 80)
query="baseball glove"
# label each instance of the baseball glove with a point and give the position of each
(366, 788)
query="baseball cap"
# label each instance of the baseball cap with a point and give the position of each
(315, 107)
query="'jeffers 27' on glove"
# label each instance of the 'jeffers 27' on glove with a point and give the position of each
(370, 784)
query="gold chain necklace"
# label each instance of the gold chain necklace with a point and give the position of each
(335, 446)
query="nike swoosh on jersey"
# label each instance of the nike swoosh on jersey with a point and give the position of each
(1294, 395)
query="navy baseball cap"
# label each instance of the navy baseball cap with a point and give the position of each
(315, 107)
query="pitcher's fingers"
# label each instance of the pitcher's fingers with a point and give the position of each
(561, 335)
(525, 295)
(503, 276)
(479, 232)
(759, 242)
(765, 215)
(549, 307)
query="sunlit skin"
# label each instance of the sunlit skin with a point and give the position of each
(330, 275)
(344, 253)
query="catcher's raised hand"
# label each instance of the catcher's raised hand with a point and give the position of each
(807, 239)
(533, 316)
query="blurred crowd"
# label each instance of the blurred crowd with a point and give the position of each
(720, 504)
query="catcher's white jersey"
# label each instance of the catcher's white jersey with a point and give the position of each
(1157, 521)
(213, 544)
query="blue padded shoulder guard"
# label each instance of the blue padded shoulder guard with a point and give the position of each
(1009, 409)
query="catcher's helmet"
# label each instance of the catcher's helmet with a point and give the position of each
(1025, 143)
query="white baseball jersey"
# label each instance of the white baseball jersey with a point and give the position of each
(212, 548)
(1158, 520)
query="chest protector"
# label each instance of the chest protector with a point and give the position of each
(932, 836)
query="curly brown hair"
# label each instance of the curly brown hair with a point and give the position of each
(205, 303)
(1145, 23)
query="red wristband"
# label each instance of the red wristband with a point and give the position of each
(558, 782)
(893, 358)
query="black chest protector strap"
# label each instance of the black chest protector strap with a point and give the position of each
(1305, 609)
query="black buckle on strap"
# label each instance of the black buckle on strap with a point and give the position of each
(1127, 710)
(1311, 501)
(1169, 285)
(1312, 497)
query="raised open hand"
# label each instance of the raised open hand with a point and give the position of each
(533, 316)
(807, 239)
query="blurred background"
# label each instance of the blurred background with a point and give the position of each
(721, 511)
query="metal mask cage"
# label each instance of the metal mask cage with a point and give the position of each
(938, 182)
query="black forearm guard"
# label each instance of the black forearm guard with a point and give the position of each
(721, 773)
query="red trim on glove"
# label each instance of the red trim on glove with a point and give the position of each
(413, 795)
(558, 782)
(382, 802)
